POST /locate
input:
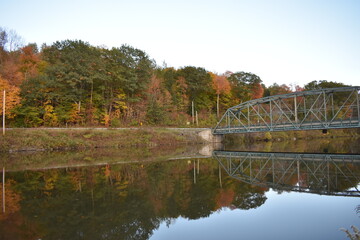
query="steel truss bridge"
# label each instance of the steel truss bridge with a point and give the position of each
(325, 174)
(316, 109)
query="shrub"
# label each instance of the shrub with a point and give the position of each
(268, 136)
(115, 123)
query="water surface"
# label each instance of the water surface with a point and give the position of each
(229, 196)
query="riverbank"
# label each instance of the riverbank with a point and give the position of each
(49, 139)
(17, 140)
(290, 135)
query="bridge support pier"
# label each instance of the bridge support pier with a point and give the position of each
(209, 137)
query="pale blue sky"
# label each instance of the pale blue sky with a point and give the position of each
(282, 41)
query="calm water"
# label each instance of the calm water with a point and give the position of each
(231, 195)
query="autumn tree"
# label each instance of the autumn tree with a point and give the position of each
(159, 101)
(177, 87)
(257, 91)
(12, 97)
(29, 61)
(10, 43)
(221, 86)
(71, 82)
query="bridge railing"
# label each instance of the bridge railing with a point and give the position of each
(316, 109)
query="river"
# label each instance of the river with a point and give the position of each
(279, 190)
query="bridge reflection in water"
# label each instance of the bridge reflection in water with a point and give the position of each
(325, 174)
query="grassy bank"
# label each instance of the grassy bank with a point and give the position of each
(291, 135)
(66, 139)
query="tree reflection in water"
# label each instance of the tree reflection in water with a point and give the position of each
(125, 201)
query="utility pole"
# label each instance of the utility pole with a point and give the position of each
(197, 120)
(4, 113)
(192, 112)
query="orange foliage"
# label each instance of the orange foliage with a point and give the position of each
(107, 171)
(106, 120)
(10, 71)
(12, 97)
(155, 90)
(220, 84)
(12, 200)
(75, 114)
(257, 91)
(154, 87)
(225, 198)
(29, 62)
(13, 225)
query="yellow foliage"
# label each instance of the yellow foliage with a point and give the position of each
(50, 118)
(106, 120)
(119, 105)
(12, 97)
(75, 116)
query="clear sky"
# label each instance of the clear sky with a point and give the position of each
(282, 41)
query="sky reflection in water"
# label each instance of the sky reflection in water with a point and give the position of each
(283, 216)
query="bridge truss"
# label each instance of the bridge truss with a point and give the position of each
(316, 109)
(324, 174)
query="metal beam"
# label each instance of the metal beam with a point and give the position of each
(321, 109)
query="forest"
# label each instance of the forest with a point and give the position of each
(72, 83)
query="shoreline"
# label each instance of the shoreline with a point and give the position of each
(64, 139)
(291, 136)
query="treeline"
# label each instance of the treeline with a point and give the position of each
(72, 83)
